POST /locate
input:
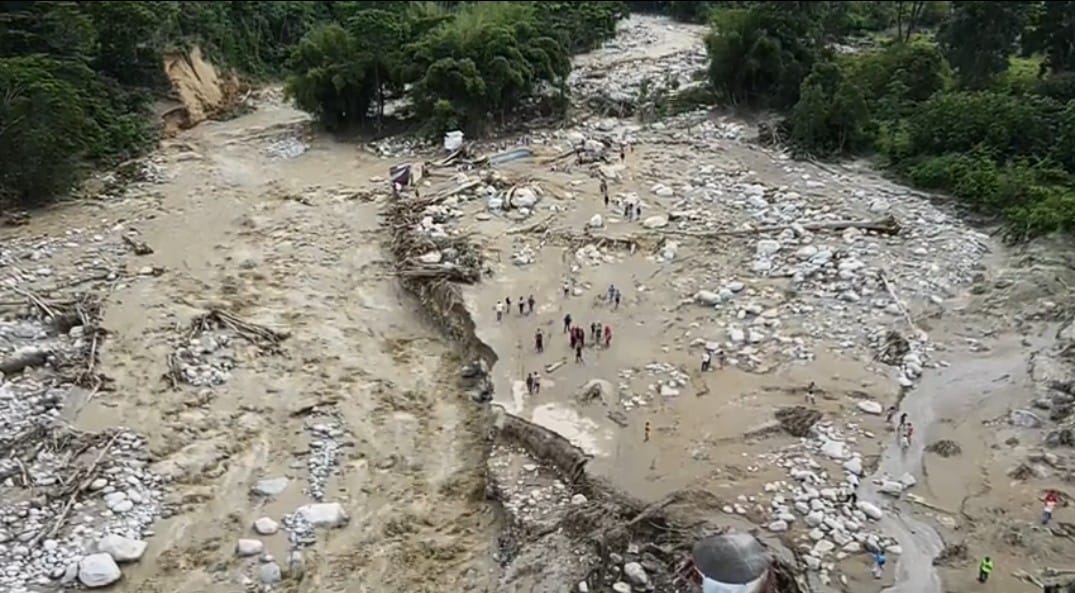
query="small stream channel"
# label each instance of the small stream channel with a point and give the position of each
(945, 392)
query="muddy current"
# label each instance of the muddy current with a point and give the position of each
(237, 367)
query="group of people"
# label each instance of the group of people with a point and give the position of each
(526, 306)
(533, 383)
(614, 296)
(707, 359)
(577, 336)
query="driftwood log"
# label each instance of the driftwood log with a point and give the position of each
(886, 226)
(138, 246)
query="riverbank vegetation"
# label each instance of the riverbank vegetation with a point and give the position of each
(77, 78)
(976, 101)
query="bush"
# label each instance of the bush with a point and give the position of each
(899, 76)
(1003, 125)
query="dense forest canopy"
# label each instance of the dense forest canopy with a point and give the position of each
(974, 98)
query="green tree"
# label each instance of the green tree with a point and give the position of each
(1053, 34)
(831, 116)
(330, 78)
(979, 37)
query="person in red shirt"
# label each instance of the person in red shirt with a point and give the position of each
(608, 336)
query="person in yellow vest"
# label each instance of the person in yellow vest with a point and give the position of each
(984, 569)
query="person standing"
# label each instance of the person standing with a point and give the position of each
(638, 211)
(567, 322)
(499, 311)
(811, 397)
(567, 289)
(522, 306)
(611, 292)
(616, 299)
(597, 334)
(539, 342)
(530, 303)
(984, 569)
(627, 211)
(578, 353)
(1048, 507)
(530, 383)
(537, 384)
(608, 337)
(707, 361)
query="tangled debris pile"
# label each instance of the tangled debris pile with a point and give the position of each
(205, 356)
(72, 504)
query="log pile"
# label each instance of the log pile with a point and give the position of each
(434, 284)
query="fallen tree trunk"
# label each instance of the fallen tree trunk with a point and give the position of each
(887, 226)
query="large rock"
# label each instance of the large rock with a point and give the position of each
(636, 574)
(834, 450)
(270, 486)
(854, 465)
(269, 573)
(890, 487)
(524, 197)
(98, 570)
(870, 510)
(597, 389)
(596, 222)
(1025, 419)
(655, 222)
(266, 526)
(249, 547)
(871, 407)
(707, 297)
(778, 526)
(324, 514)
(121, 549)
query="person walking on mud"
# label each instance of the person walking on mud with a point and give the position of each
(879, 564)
(616, 300)
(530, 304)
(984, 569)
(499, 311)
(530, 383)
(578, 353)
(567, 322)
(537, 384)
(522, 306)
(707, 361)
(604, 191)
(539, 342)
(811, 393)
(611, 292)
(638, 211)
(608, 337)
(567, 289)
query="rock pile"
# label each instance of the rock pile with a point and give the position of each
(815, 503)
(326, 440)
(207, 359)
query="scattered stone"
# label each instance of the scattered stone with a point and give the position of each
(1024, 419)
(778, 526)
(945, 448)
(621, 587)
(871, 510)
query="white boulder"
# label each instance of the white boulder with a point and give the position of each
(249, 547)
(98, 570)
(121, 549)
(871, 407)
(324, 514)
(870, 510)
